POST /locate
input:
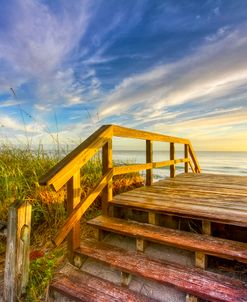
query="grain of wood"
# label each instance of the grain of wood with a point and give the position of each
(17, 251)
(84, 287)
(204, 243)
(206, 285)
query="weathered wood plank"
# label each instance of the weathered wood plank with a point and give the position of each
(17, 251)
(206, 285)
(186, 240)
(193, 187)
(84, 287)
(81, 208)
(184, 208)
(226, 203)
(196, 197)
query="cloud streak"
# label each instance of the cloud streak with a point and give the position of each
(213, 71)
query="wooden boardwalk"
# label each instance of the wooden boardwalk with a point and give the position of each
(207, 198)
(217, 198)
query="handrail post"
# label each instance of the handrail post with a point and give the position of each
(149, 159)
(106, 165)
(172, 157)
(73, 198)
(186, 156)
(17, 252)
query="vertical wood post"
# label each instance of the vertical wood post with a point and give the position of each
(149, 159)
(186, 154)
(106, 165)
(172, 157)
(201, 260)
(73, 198)
(17, 252)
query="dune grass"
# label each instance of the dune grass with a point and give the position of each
(20, 170)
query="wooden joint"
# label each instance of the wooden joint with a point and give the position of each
(140, 244)
(125, 279)
(100, 234)
(152, 218)
(190, 298)
(201, 259)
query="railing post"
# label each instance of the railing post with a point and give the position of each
(149, 159)
(106, 165)
(17, 252)
(73, 198)
(172, 157)
(186, 155)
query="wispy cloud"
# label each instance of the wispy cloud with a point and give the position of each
(10, 103)
(207, 73)
(35, 47)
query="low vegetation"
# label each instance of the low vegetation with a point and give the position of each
(20, 170)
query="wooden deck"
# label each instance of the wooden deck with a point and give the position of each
(217, 198)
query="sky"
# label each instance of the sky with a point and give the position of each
(172, 67)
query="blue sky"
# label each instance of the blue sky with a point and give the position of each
(174, 67)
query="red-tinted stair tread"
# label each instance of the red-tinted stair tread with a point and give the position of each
(196, 242)
(84, 287)
(203, 284)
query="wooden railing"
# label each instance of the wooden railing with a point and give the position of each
(67, 171)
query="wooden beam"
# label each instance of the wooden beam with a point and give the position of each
(138, 167)
(149, 159)
(106, 166)
(139, 134)
(73, 199)
(194, 159)
(172, 157)
(81, 208)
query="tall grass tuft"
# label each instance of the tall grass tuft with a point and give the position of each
(20, 170)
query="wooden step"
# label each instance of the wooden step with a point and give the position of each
(221, 208)
(195, 242)
(80, 286)
(203, 284)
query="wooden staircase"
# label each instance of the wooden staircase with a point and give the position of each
(138, 215)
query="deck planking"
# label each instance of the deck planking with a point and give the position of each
(214, 197)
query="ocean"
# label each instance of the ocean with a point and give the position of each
(234, 163)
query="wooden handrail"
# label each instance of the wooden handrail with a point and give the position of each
(139, 167)
(67, 171)
(145, 135)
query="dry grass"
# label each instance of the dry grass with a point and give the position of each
(20, 170)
